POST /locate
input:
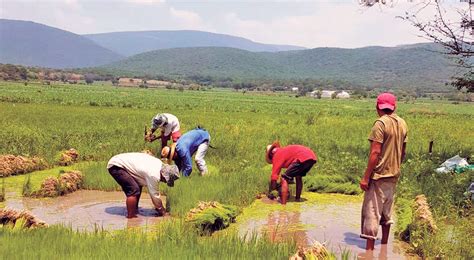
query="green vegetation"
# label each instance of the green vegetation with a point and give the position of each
(211, 216)
(403, 67)
(101, 121)
(172, 240)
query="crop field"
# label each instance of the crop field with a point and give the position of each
(101, 121)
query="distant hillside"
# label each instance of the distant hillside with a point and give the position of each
(405, 66)
(33, 44)
(131, 43)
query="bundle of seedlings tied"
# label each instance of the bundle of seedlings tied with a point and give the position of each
(66, 183)
(422, 221)
(67, 157)
(210, 216)
(14, 165)
(316, 251)
(16, 218)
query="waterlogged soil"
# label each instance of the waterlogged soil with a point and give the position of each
(332, 219)
(88, 210)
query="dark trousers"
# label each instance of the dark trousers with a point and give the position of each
(298, 169)
(129, 185)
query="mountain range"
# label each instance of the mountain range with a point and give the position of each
(411, 65)
(194, 53)
(34, 44)
(131, 43)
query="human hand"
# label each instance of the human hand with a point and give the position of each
(150, 137)
(161, 212)
(364, 184)
(270, 196)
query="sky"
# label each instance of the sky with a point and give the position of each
(311, 24)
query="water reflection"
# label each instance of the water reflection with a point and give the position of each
(285, 225)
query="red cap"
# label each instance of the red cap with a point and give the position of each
(386, 100)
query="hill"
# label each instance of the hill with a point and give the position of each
(131, 43)
(405, 66)
(33, 44)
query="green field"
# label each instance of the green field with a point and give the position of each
(101, 121)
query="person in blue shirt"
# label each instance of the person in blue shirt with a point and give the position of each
(194, 141)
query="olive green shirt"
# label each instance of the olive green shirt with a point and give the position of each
(391, 132)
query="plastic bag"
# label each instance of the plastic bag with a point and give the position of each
(453, 163)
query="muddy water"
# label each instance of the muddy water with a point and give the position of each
(89, 210)
(329, 218)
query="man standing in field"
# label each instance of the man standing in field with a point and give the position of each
(132, 171)
(169, 125)
(194, 141)
(388, 139)
(297, 160)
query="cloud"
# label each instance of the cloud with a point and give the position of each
(328, 25)
(146, 2)
(187, 19)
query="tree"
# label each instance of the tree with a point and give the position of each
(89, 78)
(456, 37)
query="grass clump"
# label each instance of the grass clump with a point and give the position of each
(316, 252)
(421, 227)
(331, 184)
(19, 219)
(15, 165)
(65, 183)
(67, 157)
(211, 216)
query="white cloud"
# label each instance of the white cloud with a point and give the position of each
(330, 25)
(147, 2)
(187, 19)
(341, 23)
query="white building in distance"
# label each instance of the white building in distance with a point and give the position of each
(327, 93)
(343, 94)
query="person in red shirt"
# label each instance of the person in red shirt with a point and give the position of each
(297, 160)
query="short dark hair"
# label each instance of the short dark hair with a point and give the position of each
(387, 110)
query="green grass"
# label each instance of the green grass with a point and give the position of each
(171, 241)
(96, 176)
(101, 121)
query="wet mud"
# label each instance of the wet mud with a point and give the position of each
(331, 219)
(87, 210)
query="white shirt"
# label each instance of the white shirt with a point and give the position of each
(172, 126)
(144, 169)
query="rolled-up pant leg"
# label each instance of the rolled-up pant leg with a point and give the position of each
(200, 153)
(377, 206)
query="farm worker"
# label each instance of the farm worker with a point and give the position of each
(194, 141)
(169, 125)
(297, 160)
(132, 171)
(387, 139)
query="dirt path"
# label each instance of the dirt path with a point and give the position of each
(330, 218)
(88, 210)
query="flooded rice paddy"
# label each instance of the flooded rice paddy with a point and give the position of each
(331, 219)
(88, 210)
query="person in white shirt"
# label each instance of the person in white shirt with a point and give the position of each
(169, 125)
(132, 171)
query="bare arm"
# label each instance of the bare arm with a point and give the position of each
(404, 151)
(375, 150)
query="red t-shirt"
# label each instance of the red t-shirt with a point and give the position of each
(285, 156)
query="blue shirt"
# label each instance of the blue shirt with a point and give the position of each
(186, 146)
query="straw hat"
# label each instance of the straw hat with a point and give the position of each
(269, 152)
(168, 152)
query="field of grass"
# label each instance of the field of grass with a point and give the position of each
(101, 121)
